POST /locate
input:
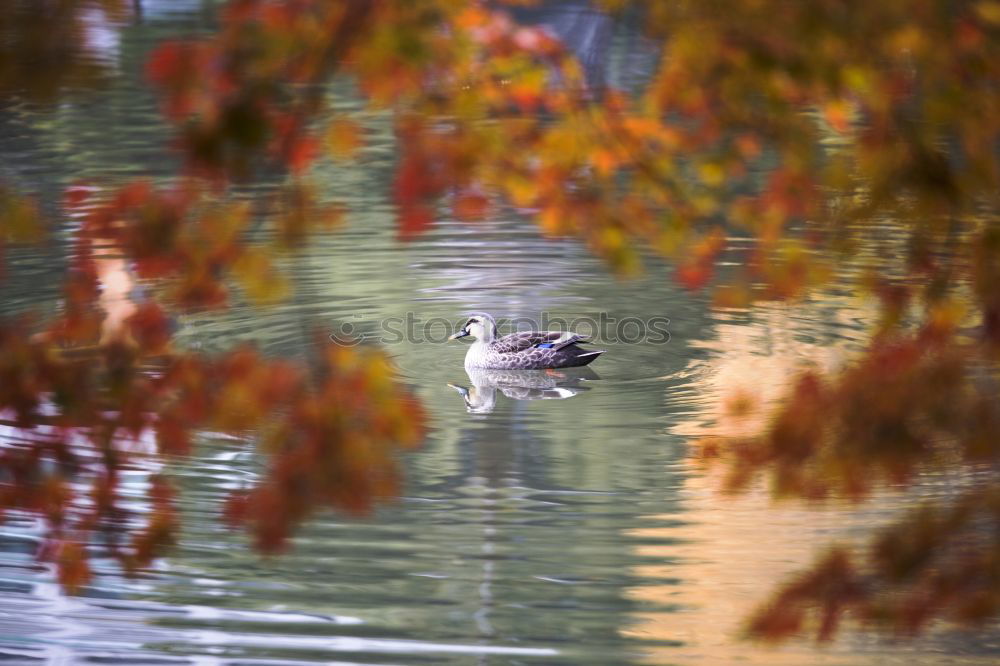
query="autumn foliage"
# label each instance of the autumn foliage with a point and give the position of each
(87, 407)
(795, 125)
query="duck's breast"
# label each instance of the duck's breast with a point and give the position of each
(477, 355)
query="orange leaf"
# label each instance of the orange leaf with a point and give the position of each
(343, 138)
(74, 572)
(837, 113)
(470, 206)
(694, 276)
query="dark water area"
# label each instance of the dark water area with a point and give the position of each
(550, 519)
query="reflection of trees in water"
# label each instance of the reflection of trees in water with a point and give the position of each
(551, 527)
(47, 147)
(755, 355)
(719, 568)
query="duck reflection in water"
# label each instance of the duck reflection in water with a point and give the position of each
(481, 394)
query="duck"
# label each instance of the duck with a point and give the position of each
(524, 350)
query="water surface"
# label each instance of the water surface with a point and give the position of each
(547, 520)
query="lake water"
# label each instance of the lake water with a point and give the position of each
(569, 528)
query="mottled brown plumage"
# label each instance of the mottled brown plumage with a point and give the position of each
(524, 350)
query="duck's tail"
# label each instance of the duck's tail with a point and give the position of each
(587, 357)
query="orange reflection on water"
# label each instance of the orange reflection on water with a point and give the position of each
(715, 569)
(708, 566)
(755, 356)
(116, 289)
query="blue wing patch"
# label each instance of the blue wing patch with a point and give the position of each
(545, 345)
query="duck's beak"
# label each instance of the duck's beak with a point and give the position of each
(460, 334)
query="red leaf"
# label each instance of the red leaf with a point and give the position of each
(235, 510)
(693, 276)
(172, 436)
(301, 153)
(75, 195)
(414, 220)
(133, 195)
(150, 327)
(410, 182)
(164, 62)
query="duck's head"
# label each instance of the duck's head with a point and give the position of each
(480, 326)
(478, 400)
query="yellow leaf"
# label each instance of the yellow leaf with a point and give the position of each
(563, 145)
(378, 373)
(711, 174)
(704, 205)
(257, 275)
(908, 38)
(221, 226)
(858, 78)
(669, 240)
(20, 220)
(521, 190)
(989, 12)
(530, 81)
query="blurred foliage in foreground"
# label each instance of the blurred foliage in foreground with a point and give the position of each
(796, 124)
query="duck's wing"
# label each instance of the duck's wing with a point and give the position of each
(523, 340)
